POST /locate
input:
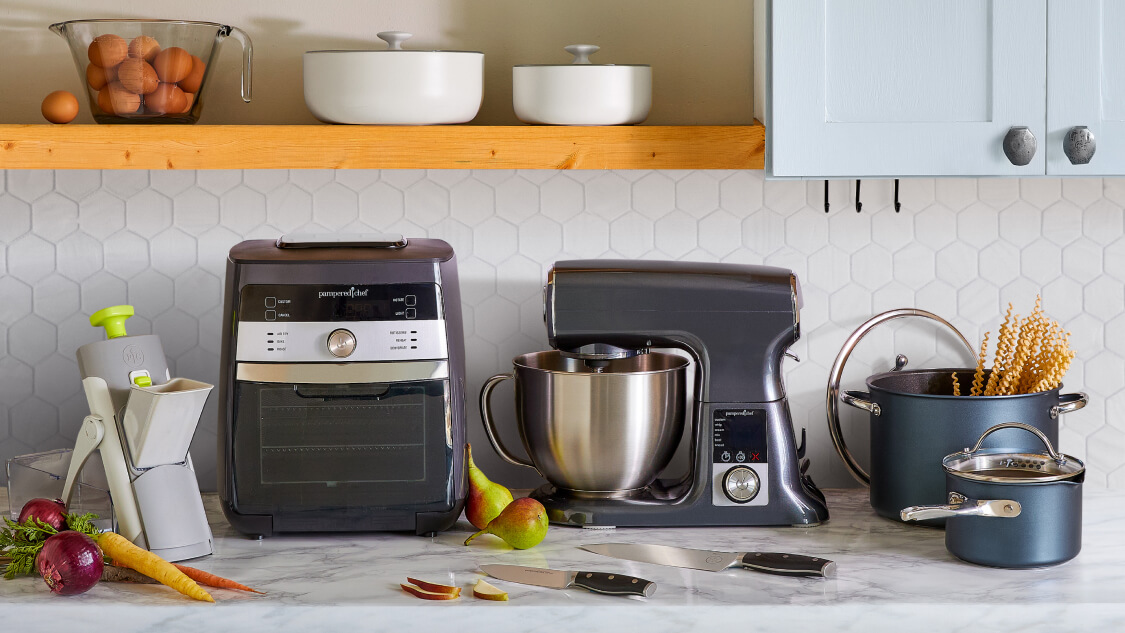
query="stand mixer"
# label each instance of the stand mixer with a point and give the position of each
(142, 421)
(604, 316)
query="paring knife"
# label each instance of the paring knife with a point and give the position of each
(596, 581)
(706, 560)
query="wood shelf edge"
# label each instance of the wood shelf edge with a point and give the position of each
(369, 147)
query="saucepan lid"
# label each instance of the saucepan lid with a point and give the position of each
(1010, 467)
(581, 54)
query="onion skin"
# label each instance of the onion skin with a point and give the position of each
(70, 562)
(50, 512)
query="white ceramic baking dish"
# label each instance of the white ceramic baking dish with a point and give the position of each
(582, 93)
(394, 86)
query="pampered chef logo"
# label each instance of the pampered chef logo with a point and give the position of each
(740, 413)
(350, 293)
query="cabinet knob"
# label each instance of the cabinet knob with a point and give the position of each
(1079, 145)
(1019, 145)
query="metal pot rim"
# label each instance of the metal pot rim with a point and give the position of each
(681, 364)
(937, 396)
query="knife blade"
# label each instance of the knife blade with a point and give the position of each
(707, 560)
(596, 581)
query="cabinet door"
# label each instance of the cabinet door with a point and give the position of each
(904, 87)
(1086, 74)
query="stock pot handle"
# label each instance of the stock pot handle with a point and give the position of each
(1069, 402)
(490, 425)
(834, 397)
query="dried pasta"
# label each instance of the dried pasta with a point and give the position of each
(1032, 355)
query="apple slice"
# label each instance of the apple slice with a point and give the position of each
(433, 587)
(485, 591)
(427, 595)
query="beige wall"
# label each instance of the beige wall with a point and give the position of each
(700, 50)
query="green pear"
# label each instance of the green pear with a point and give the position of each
(522, 524)
(486, 499)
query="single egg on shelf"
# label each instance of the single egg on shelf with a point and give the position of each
(60, 107)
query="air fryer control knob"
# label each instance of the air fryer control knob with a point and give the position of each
(741, 484)
(341, 343)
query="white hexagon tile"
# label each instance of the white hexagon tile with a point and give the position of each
(73, 242)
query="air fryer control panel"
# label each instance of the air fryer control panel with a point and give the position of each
(340, 323)
(740, 457)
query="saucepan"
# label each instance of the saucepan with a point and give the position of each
(916, 421)
(1009, 508)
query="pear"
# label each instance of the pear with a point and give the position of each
(487, 499)
(486, 591)
(522, 524)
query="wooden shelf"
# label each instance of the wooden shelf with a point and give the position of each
(368, 147)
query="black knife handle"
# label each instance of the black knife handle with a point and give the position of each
(614, 584)
(788, 564)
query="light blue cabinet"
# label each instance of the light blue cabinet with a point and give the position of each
(870, 88)
(1086, 87)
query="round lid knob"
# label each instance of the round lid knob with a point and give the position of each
(741, 484)
(582, 52)
(341, 343)
(394, 39)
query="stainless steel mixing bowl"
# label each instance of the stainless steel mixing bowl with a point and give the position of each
(605, 429)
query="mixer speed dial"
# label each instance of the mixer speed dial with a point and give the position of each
(341, 343)
(741, 484)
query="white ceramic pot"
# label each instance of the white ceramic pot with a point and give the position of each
(394, 86)
(581, 93)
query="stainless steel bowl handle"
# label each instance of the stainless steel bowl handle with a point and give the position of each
(1018, 425)
(999, 508)
(490, 426)
(861, 400)
(833, 397)
(1069, 402)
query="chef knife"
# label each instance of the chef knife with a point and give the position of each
(596, 581)
(770, 563)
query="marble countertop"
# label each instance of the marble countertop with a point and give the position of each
(890, 577)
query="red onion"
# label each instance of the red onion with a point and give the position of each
(70, 562)
(50, 512)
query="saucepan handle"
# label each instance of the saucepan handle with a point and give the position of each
(857, 400)
(1069, 402)
(490, 424)
(999, 508)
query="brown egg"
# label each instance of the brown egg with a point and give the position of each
(108, 50)
(95, 76)
(194, 79)
(166, 98)
(60, 107)
(115, 99)
(137, 76)
(172, 64)
(189, 100)
(144, 47)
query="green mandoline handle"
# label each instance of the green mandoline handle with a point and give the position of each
(112, 319)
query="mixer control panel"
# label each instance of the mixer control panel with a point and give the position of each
(740, 457)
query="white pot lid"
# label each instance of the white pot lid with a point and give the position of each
(394, 40)
(581, 54)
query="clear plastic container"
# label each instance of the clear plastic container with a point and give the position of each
(42, 475)
(149, 71)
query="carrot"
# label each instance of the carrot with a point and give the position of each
(211, 580)
(123, 551)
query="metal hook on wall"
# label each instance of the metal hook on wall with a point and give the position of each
(898, 205)
(826, 205)
(858, 204)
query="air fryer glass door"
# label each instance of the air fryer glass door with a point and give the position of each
(350, 448)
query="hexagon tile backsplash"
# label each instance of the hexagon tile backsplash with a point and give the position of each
(74, 242)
